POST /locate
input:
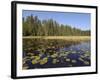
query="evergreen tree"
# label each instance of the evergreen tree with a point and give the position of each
(32, 26)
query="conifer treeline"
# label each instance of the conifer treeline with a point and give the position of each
(32, 26)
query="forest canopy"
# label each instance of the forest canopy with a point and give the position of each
(33, 26)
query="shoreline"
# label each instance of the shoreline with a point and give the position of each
(59, 37)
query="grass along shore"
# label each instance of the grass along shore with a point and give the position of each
(80, 38)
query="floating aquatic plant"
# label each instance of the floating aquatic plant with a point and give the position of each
(38, 53)
(54, 61)
(43, 61)
(67, 59)
(74, 61)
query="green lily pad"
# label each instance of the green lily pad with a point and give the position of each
(74, 61)
(43, 61)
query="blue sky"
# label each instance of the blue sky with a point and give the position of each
(78, 20)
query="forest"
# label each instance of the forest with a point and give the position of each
(33, 26)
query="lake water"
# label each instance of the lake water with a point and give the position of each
(53, 54)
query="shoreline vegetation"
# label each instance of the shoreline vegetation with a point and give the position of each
(69, 38)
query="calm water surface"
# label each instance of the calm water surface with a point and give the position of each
(55, 54)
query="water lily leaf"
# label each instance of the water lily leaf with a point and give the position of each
(81, 59)
(34, 61)
(67, 59)
(54, 61)
(43, 61)
(74, 61)
(86, 62)
(73, 52)
(37, 57)
(30, 54)
(54, 55)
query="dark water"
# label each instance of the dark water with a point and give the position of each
(55, 53)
